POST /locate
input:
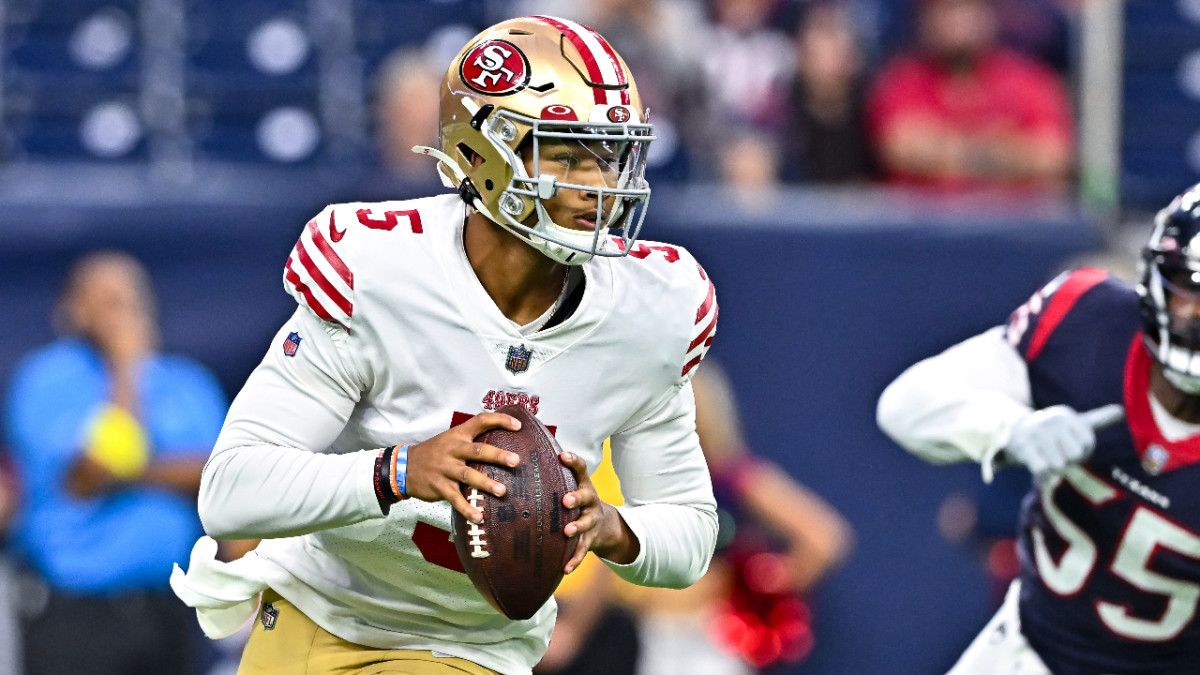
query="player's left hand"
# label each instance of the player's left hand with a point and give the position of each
(1048, 440)
(599, 527)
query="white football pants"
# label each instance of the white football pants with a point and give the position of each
(1000, 648)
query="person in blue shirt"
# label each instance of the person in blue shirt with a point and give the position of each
(108, 438)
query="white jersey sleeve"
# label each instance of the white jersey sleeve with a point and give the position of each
(664, 478)
(668, 495)
(959, 405)
(273, 472)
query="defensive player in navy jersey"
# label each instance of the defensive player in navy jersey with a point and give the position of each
(1110, 530)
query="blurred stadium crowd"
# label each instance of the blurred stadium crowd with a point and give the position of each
(754, 92)
(767, 97)
(757, 92)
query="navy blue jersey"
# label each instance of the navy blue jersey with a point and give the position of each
(1110, 550)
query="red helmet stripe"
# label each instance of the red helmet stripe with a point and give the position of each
(598, 57)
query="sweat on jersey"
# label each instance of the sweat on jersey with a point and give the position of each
(395, 340)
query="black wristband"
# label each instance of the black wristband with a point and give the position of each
(383, 480)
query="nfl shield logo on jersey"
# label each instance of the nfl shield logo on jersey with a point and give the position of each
(518, 359)
(269, 615)
(1155, 459)
(291, 344)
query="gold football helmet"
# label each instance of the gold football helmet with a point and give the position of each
(555, 94)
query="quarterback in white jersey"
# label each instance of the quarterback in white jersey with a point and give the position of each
(345, 449)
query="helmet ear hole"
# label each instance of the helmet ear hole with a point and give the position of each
(488, 184)
(472, 158)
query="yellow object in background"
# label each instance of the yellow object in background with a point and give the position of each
(117, 442)
(608, 487)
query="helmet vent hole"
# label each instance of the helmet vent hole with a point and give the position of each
(473, 158)
(519, 32)
(488, 184)
(542, 88)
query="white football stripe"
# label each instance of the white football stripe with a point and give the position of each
(608, 70)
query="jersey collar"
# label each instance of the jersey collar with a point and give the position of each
(1158, 454)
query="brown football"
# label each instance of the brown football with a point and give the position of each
(515, 557)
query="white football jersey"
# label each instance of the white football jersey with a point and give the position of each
(394, 342)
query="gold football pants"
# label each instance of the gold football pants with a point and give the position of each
(294, 645)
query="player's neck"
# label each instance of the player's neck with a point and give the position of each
(520, 280)
(1181, 405)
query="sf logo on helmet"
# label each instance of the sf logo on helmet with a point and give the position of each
(496, 68)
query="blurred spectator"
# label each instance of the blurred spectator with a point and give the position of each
(108, 438)
(960, 111)
(747, 64)
(406, 110)
(777, 541)
(827, 139)
(750, 161)
(406, 114)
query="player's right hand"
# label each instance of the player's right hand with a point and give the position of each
(437, 466)
(1048, 440)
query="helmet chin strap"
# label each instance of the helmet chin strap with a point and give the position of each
(557, 252)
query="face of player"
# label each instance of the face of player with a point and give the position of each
(588, 163)
(1183, 302)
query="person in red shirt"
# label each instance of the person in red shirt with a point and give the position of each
(959, 111)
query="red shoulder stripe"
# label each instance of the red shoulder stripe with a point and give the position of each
(313, 303)
(319, 277)
(703, 335)
(1060, 305)
(327, 250)
(707, 304)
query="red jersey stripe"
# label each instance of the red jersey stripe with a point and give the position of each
(318, 276)
(1060, 305)
(329, 254)
(703, 335)
(707, 304)
(313, 304)
(687, 368)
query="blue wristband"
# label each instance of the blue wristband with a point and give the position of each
(400, 471)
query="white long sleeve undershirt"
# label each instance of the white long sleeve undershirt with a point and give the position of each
(959, 405)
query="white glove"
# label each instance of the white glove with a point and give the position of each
(1047, 440)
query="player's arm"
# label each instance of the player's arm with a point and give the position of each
(268, 475)
(959, 405)
(271, 473)
(665, 533)
(669, 506)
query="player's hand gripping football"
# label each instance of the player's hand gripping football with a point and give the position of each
(600, 527)
(1048, 440)
(437, 466)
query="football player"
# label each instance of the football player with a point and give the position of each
(347, 446)
(1095, 388)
